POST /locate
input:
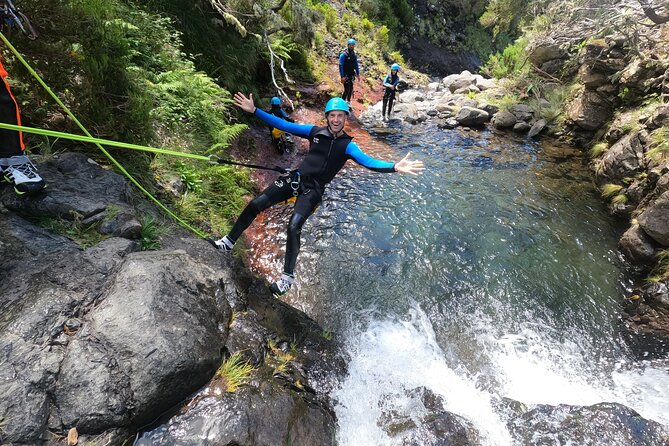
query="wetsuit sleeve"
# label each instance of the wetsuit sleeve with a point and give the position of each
(302, 130)
(397, 81)
(387, 83)
(342, 58)
(360, 157)
(357, 68)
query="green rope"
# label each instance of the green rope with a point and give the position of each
(107, 154)
(107, 142)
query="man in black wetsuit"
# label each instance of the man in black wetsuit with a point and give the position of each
(329, 149)
(348, 69)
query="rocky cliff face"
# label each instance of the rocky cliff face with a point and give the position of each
(109, 338)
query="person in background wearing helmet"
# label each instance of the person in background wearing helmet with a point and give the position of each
(329, 149)
(390, 82)
(277, 134)
(16, 167)
(348, 69)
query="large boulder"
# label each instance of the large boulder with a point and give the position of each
(655, 220)
(472, 117)
(111, 366)
(465, 79)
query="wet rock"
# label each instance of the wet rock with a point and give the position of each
(522, 112)
(433, 427)
(638, 246)
(471, 117)
(267, 415)
(605, 424)
(504, 120)
(521, 127)
(553, 66)
(621, 125)
(647, 311)
(655, 220)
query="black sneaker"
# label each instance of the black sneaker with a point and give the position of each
(282, 286)
(23, 175)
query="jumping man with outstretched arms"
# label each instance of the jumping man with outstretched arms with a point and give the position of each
(329, 149)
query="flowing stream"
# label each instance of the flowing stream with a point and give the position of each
(495, 274)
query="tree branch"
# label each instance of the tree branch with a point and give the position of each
(651, 14)
(278, 7)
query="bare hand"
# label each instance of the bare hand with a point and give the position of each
(244, 103)
(410, 167)
(343, 80)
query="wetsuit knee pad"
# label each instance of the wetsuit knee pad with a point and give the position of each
(295, 224)
(261, 203)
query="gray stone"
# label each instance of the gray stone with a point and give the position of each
(604, 424)
(624, 159)
(655, 220)
(521, 127)
(489, 108)
(637, 245)
(537, 128)
(504, 120)
(484, 84)
(265, 416)
(471, 117)
(123, 224)
(76, 188)
(659, 118)
(542, 54)
(160, 326)
(589, 110)
(449, 123)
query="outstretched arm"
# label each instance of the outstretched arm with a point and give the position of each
(248, 106)
(404, 166)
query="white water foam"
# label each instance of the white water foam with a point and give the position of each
(391, 357)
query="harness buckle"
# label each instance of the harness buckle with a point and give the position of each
(295, 183)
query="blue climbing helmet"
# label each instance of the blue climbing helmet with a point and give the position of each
(275, 101)
(394, 67)
(336, 104)
(351, 41)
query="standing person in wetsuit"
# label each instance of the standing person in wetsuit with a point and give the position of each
(390, 82)
(16, 167)
(329, 149)
(277, 134)
(348, 69)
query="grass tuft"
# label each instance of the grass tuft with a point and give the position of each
(610, 190)
(235, 372)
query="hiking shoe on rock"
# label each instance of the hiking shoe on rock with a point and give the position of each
(282, 286)
(23, 175)
(224, 244)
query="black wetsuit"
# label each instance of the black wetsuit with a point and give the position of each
(326, 156)
(389, 94)
(348, 68)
